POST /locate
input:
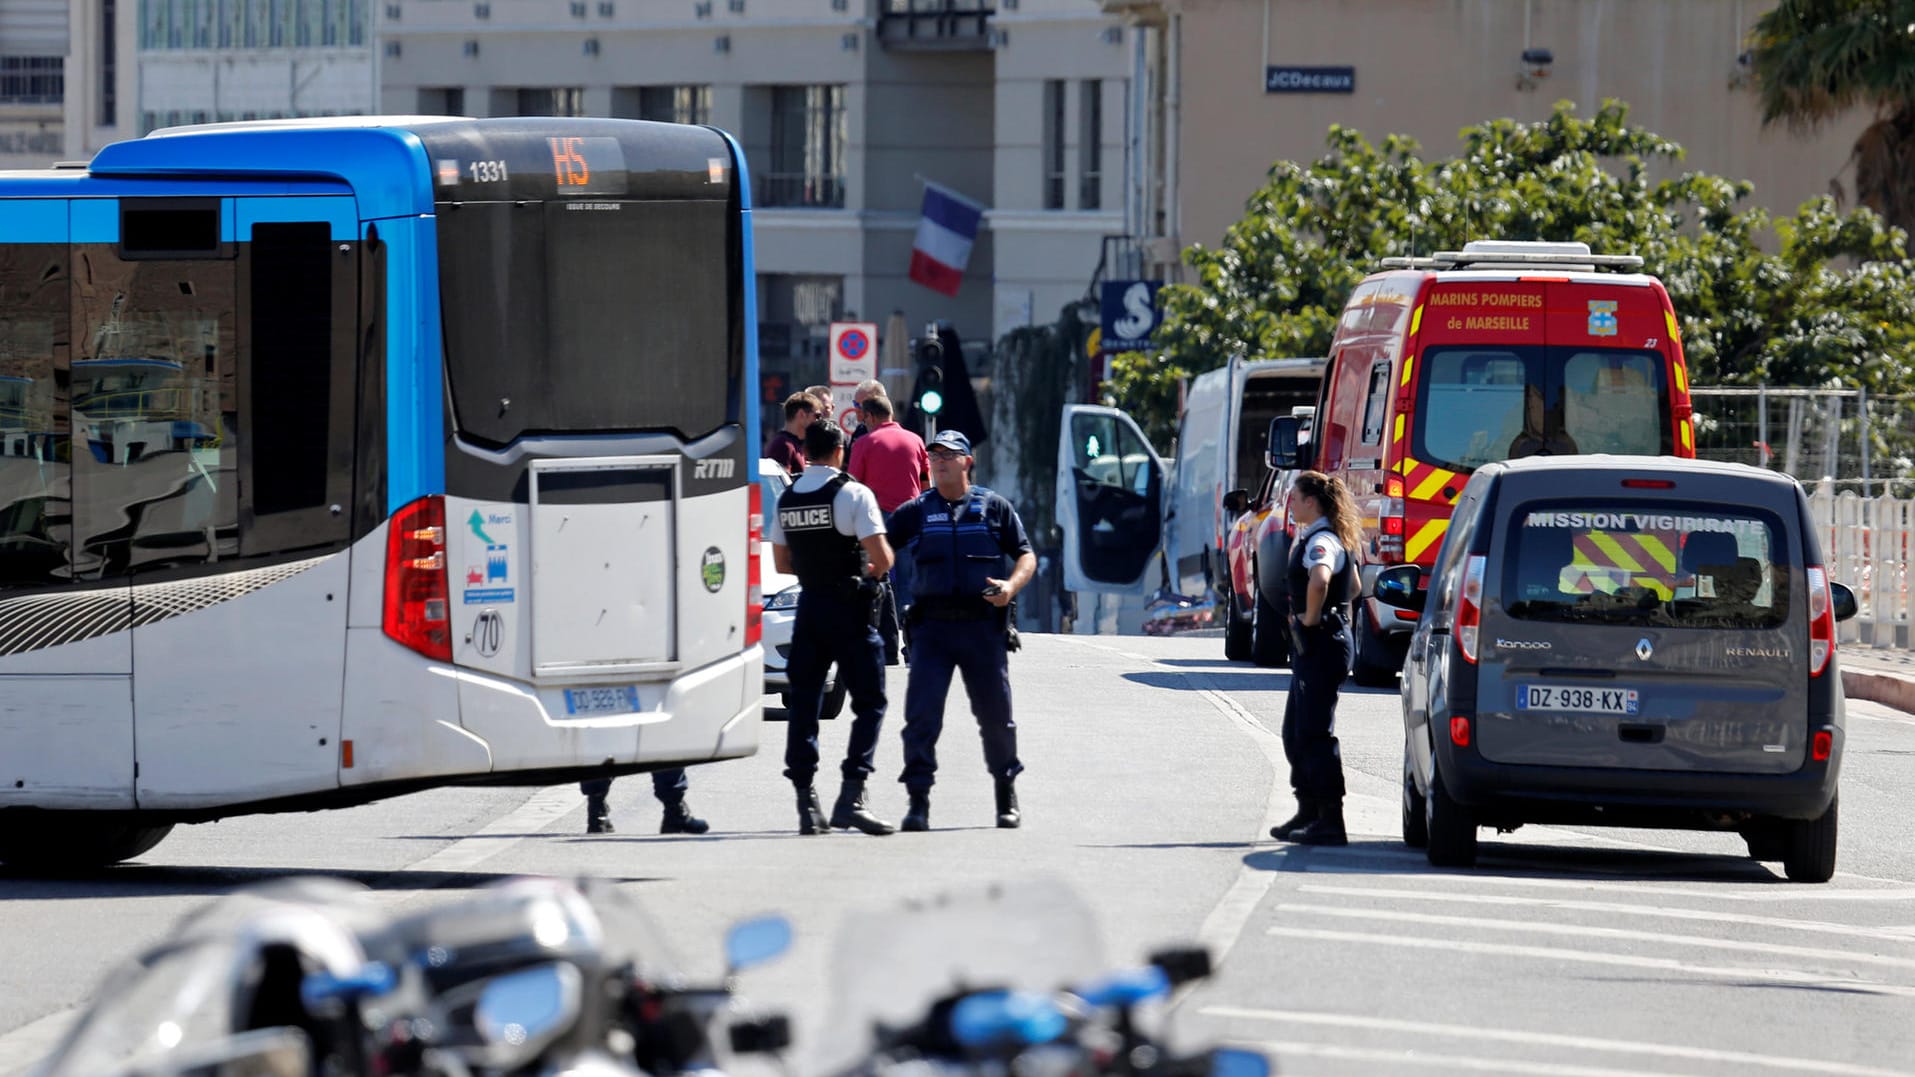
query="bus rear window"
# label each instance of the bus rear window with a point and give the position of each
(1653, 565)
(1478, 404)
(588, 317)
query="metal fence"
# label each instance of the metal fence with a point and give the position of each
(1855, 454)
(1843, 437)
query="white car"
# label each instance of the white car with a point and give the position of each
(781, 603)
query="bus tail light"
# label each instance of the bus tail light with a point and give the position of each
(1821, 621)
(754, 580)
(417, 610)
(1469, 609)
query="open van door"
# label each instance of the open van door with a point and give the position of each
(1110, 500)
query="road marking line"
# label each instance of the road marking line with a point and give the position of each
(1416, 1060)
(1593, 932)
(1405, 893)
(1790, 892)
(1551, 1039)
(1588, 957)
(24, 1047)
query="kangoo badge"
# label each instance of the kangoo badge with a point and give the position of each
(712, 569)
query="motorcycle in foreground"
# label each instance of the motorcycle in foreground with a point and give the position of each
(1008, 979)
(309, 978)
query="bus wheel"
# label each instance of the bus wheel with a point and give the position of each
(53, 843)
(1371, 665)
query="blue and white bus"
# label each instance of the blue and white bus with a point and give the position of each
(348, 458)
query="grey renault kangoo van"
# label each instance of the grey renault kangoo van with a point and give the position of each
(1625, 641)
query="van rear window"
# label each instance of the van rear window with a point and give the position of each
(1666, 565)
(1478, 404)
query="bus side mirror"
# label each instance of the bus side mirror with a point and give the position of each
(1284, 435)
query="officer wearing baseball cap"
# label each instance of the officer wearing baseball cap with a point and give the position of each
(963, 537)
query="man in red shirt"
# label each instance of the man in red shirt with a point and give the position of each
(891, 460)
(787, 446)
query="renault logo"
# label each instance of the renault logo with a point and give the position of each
(1644, 649)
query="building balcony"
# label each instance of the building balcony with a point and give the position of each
(951, 25)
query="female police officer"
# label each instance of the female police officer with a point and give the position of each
(1322, 580)
(959, 621)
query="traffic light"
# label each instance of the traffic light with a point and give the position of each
(929, 394)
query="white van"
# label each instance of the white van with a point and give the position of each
(1119, 504)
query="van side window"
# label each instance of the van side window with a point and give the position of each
(1377, 405)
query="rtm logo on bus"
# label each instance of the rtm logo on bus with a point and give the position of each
(713, 469)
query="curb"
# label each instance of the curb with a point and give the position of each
(1888, 689)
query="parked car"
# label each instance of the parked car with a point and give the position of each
(1258, 553)
(1119, 503)
(781, 592)
(1697, 688)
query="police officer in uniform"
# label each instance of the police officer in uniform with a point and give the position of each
(827, 531)
(959, 620)
(1322, 579)
(667, 785)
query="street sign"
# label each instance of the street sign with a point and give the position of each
(1130, 315)
(854, 353)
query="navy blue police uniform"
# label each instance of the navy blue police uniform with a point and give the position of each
(668, 786)
(957, 546)
(836, 623)
(1320, 660)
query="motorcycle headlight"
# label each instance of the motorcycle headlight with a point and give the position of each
(786, 599)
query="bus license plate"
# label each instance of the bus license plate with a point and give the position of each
(620, 700)
(1564, 697)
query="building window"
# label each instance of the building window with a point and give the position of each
(675, 104)
(32, 80)
(1053, 143)
(109, 65)
(795, 312)
(445, 101)
(1090, 144)
(807, 147)
(552, 101)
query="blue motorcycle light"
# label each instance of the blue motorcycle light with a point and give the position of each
(1127, 988)
(999, 1018)
(372, 979)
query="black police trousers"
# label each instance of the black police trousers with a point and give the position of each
(976, 650)
(834, 625)
(667, 785)
(1317, 669)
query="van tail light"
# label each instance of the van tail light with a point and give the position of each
(1822, 745)
(1469, 609)
(1390, 520)
(417, 610)
(1459, 730)
(754, 581)
(1821, 621)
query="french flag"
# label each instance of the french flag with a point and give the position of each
(945, 234)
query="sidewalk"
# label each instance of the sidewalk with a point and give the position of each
(1882, 675)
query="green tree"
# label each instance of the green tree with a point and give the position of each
(1782, 315)
(1816, 60)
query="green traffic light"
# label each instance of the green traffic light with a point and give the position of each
(931, 402)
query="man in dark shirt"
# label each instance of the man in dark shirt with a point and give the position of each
(788, 445)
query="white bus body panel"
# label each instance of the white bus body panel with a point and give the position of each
(602, 574)
(66, 727)
(214, 730)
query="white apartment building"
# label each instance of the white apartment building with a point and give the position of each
(845, 108)
(209, 61)
(66, 83)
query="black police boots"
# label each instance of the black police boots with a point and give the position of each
(1307, 812)
(1007, 817)
(919, 815)
(849, 813)
(598, 816)
(1327, 829)
(811, 814)
(680, 820)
